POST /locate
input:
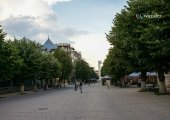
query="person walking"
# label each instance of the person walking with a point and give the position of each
(75, 86)
(80, 86)
(108, 84)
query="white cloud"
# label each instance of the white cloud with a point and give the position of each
(41, 37)
(50, 2)
(30, 28)
(34, 19)
(93, 46)
(33, 8)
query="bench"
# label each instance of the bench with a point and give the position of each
(153, 88)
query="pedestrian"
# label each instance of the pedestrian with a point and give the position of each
(108, 84)
(80, 86)
(75, 86)
(89, 82)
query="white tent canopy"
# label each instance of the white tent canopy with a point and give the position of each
(137, 74)
(106, 77)
(151, 74)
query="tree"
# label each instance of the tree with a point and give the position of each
(10, 61)
(66, 63)
(92, 73)
(50, 68)
(114, 66)
(142, 43)
(30, 53)
(155, 38)
(83, 71)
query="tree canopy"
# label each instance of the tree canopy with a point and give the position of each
(10, 61)
(83, 71)
(140, 38)
(66, 63)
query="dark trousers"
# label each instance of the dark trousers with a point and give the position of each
(80, 89)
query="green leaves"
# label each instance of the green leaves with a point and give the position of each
(30, 54)
(83, 71)
(139, 42)
(24, 60)
(10, 61)
(66, 63)
(50, 67)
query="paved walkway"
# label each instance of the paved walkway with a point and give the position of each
(95, 103)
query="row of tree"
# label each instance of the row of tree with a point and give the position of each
(84, 72)
(24, 59)
(140, 43)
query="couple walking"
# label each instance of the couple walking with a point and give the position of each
(78, 85)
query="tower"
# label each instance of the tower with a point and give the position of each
(99, 69)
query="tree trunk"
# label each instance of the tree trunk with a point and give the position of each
(12, 84)
(143, 81)
(35, 85)
(143, 85)
(35, 88)
(64, 83)
(53, 83)
(45, 84)
(22, 88)
(161, 76)
(162, 87)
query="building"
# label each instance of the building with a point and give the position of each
(49, 46)
(70, 50)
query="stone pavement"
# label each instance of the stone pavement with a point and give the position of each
(95, 103)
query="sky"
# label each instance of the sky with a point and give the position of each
(82, 23)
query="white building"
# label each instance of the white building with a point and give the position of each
(73, 53)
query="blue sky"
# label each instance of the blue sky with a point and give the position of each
(83, 23)
(90, 15)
